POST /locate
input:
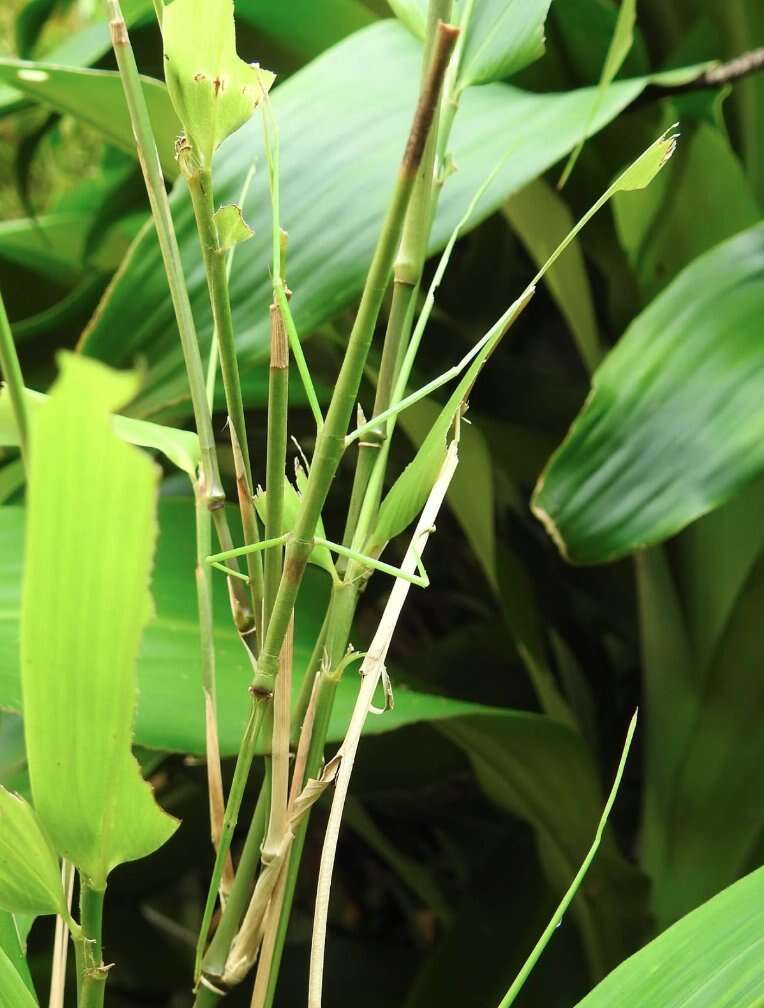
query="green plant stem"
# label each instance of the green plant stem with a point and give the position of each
(238, 898)
(203, 577)
(395, 337)
(331, 438)
(278, 403)
(94, 972)
(199, 182)
(408, 267)
(566, 900)
(230, 819)
(9, 363)
(168, 244)
(327, 455)
(339, 620)
(344, 599)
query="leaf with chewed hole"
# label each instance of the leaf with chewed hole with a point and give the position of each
(213, 90)
(232, 228)
(89, 548)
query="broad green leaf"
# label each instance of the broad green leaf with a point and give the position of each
(96, 97)
(30, 877)
(90, 535)
(709, 959)
(181, 447)
(213, 90)
(541, 219)
(502, 37)
(342, 121)
(548, 779)
(232, 228)
(673, 425)
(14, 993)
(620, 46)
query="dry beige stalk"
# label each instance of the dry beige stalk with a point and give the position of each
(371, 673)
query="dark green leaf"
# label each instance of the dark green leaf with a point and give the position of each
(718, 769)
(674, 424)
(95, 97)
(709, 959)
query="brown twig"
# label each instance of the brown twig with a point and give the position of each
(715, 76)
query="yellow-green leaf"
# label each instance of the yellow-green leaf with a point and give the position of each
(30, 879)
(90, 538)
(214, 91)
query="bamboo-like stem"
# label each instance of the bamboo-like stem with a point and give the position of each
(407, 273)
(199, 181)
(343, 604)
(94, 971)
(251, 531)
(278, 402)
(203, 575)
(236, 904)
(278, 838)
(11, 369)
(330, 442)
(230, 819)
(280, 751)
(212, 361)
(371, 671)
(168, 244)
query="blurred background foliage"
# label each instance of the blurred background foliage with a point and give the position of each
(463, 829)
